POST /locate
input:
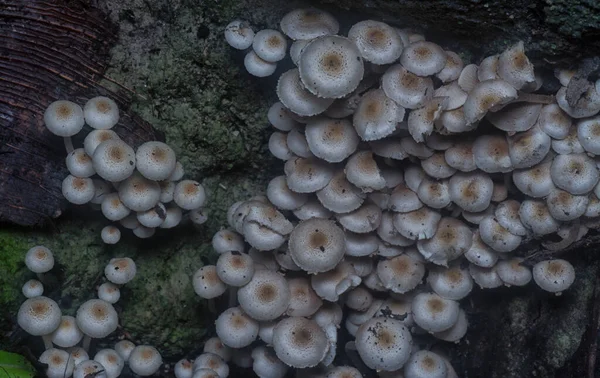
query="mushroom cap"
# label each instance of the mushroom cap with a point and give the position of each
(59, 363)
(456, 96)
(383, 343)
(113, 363)
(497, 237)
(299, 342)
(332, 140)
(270, 45)
(520, 116)
(515, 67)
(536, 181)
(236, 329)
(78, 354)
(339, 195)
(365, 219)
(400, 274)
(451, 283)
(434, 313)
(486, 278)
(296, 50)
(359, 298)
(362, 170)
(95, 137)
(207, 283)
(434, 193)
(405, 88)
(266, 296)
(307, 175)
(452, 239)
(155, 160)
(513, 273)
(492, 154)
(112, 207)
(487, 95)
(460, 156)
(588, 132)
(507, 215)
(216, 346)
(257, 66)
(317, 245)
(109, 292)
(138, 193)
(554, 121)
(78, 190)
(67, 334)
(101, 113)
(64, 118)
(89, 368)
(535, 216)
(471, 191)
(213, 362)
(39, 316)
(189, 194)
(418, 224)
(574, 173)
(528, 148)
(278, 146)
(154, 217)
(425, 364)
(235, 268)
(265, 364)
(481, 254)
(303, 299)
(376, 115)
(97, 318)
(423, 58)
(564, 206)
(295, 97)
(120, 270)
(377, 42)
(79, 163)
(144, 360)
(468, 77)
(458, 330)
(308, 23)
(421, 120)
(280, 118)
(296, 142)
(39, 259)
(227, 240)
(452, 69)
(32, 288)
(114, 160)
(488, 68)
(587, 105)
(239, 34)
(554, 275)
(331, 66)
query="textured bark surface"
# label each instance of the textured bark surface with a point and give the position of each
(49, 51)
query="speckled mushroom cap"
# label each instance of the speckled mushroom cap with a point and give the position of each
(211, 361)
(520, 116)
(376, 115)
(377, 42)
(303, 299)
(343, 372)
(405, 88)
(207, 283)
(227, 240)
(513, 273)
(95, 137)
(554, 121)
(383, 343)
(78, 190)
(574, 173)
(67, 334)
(59, 363)
(120, 270)
(332, 140)
(270, 45)
(97, 318)
(362, 171)
(452, 69)
(32, 288)
(496, 236)
(109, 292)
(331, 66)
(101, 113)
(451, 283)
(64, 118)
(554, 276)
(144, 360)
(487, 95)
(39, 259)
(235, 268)
(471, 191)
(79, 163)
(113, 363)
(239, 34)
(536, 181)
(114, 160)
(39, 316)
(451, 240)
(365, 219)
(265, 364)
(515, 67)
(425, 364)
(280, 118)
(266, 296)
(257, 66)
(528, 148)
(280, 195)
(317, 245)
(189, 194)
(155, 160)
(434, 313)
(235, 328)
(124, 349)
(138, 193)
(400, 274)
(564, 206)
(78, 355)
(307, 175)
(418, 224)
(299, 342)
(423, 58)
(491, 153)
(421, 121)
(295, 97)
(308, 23)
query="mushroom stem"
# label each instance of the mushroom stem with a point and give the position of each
(68, 144)
(47, 341)
(535, 98)
(86, 343)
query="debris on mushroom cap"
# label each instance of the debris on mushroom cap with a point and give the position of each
(239, 34)
(59, 363)
(384, 343)
(377, 42)
(299, 342)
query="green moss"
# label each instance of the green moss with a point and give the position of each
(573, 18)
(12, 251)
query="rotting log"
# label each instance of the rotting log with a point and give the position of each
(49, 51)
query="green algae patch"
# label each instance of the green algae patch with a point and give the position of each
(13, 247)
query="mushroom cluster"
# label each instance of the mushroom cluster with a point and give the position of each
(409, 176)
(95, 318)
(141, 189)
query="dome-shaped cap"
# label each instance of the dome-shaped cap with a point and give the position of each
(235, 328)
(32, 288)
(468, 77)
(359, 298)
(491, 153)
(362, 171)
(569, 144)
(451, 283)
(101, 113)
(554, 121)
(64, 118)
(390, 236)
(67, 334)
(486, 278)
(588, 132)
(303, 299)
(296, 142)
(296, 49)
(257, 66)
(460, 156)
(124, 349)
(513, 273)
(452, 69)
(451, 240)
(79, 163)
(95, 137)
(139, 194)
(216, 346)
(114, 160)
(365, 219)
(59, 363)
(89, 368)
(507, 215)
(421, 120)
(404, 200)
(113, 363)
(536, 181)
(535, 216)
(78, 355)
(574, 173)
(78, 190)
(564, 206)
(39, 259)
(239, 34)
(376, 115)
(485, 96)
(144, 360)
(307, 175)
(587, 104)
(39, 316)
(189, 194)
(213, 362)
(120, 270)
(434, 313)
(434, 193)
(270, 45)
(279, 116)
(423, 58)
(227, 240)
(377, 42)
(425, 364)
(112, 207)
(295, 97)
(456, 96)
(331, 67)
(266, 296)
(554, 275)
(418, 224)
(515, 67)
(308, 23)
(471, 191)
(333, 283)
(405, 88)
(265, 364)
(207, 283)
(488, 68)
(155, 160)
(278, 146)
(317, 245)
(299, 342)
(109, 292)
(383, 343)
(97, 318)
(481, 254)
(282, 197)
(332, 140)
(528, 148)
(400, 274)
(235, 268)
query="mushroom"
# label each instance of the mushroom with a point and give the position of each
(299, 342)
(96, 319)
(239, 34)
(59, 363)
(65, 119)
(257, 66)
(236, 329)
(113, 363)
(40, 316)
(144, 360)
(383, 343)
